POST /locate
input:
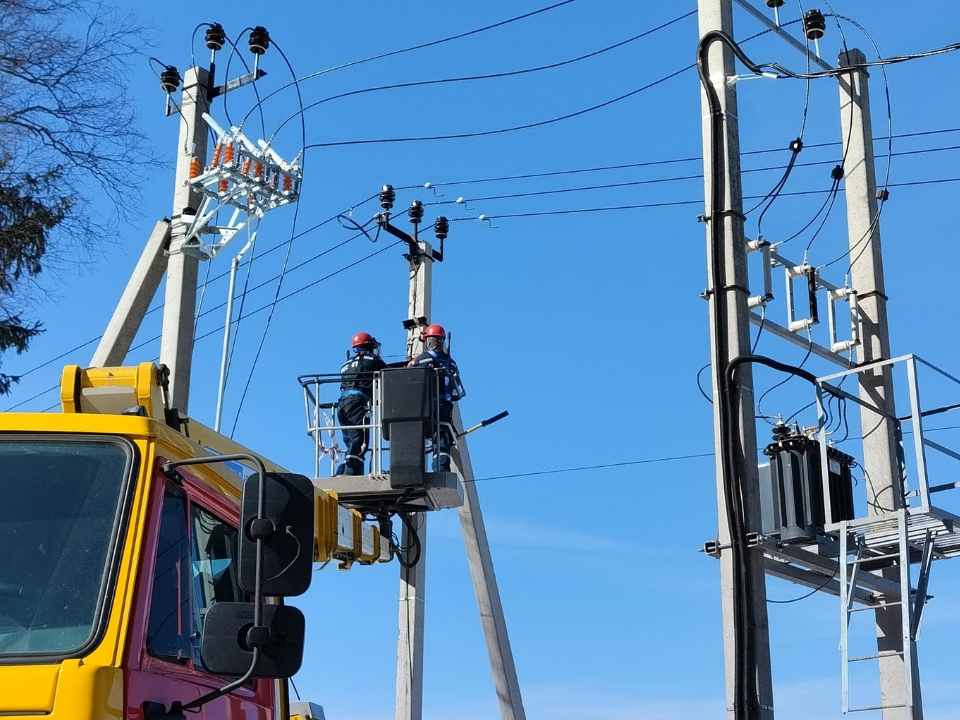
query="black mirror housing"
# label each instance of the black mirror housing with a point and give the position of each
(225, 650)
(288, 535)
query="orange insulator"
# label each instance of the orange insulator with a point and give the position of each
(194, 168)
(217, 151)
(258, 170)
(246, 167)
(287, 183)
(228, 155)
(222, 186)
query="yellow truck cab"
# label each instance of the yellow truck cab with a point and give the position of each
(112, 561)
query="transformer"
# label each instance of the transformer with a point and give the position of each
(791, 489)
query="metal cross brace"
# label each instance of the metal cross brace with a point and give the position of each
(246, 178)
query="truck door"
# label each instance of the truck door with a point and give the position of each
(189, 563)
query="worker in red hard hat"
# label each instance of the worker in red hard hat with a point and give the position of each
(356, 398)
(435, 355)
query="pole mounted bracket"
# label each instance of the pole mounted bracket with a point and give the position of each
(249, 179)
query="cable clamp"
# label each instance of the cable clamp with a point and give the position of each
(733, 213)
(723, 213)
(875, 293)
(883, 195)
(796, 145)
(707, 293)
(837, 172)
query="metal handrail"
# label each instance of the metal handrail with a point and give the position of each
(319, 424)
(923, 489)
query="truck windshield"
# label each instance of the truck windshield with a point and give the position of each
(59, 512)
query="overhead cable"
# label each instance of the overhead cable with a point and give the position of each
(420, 46)
(286, 257)
(490, 76)
(515, 128)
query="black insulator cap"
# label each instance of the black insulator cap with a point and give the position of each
(216, 37)
(442, 228)
(416, 212)
(387, 196)
(814, 25)
(774, 3)
(169, 79)
(780, 432)
(259, 40)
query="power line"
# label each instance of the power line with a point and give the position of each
(651, 181)
(651, 163)
(629, 463)
(490, 76)
(286, 257)
(500, 131)
(412, 48)
(676, 203)
(674, 161)
(605, 466)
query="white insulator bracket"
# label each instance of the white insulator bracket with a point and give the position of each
(794, 323)
(849, 296)
(763, 247)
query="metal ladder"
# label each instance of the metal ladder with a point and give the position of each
(910, 602)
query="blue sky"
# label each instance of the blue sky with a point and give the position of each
(588, 328)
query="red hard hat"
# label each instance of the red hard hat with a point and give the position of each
(362, 338)
(434, 331)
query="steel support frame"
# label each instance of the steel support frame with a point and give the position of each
(791, 40)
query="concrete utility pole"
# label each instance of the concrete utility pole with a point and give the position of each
(409, 703)
(485, 586)
(129, 313)
(176, 342)
(881, 462)
(718, 15)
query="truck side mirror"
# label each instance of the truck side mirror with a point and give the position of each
(286, 527)
(229, 637)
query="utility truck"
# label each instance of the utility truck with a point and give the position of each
(146, 558)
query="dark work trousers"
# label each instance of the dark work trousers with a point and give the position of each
(352, 410)
(441, 456)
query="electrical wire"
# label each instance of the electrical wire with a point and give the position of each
(490, 76)
(286, 258)
(866, 240)
(676, 203)
(908, 135)
(768, 418)
(700, 385)
(673, 161)
(501, 131)
(412, 48)
(547, 213)
(781, 72)
(226, 74)
(243, 299)
(258, 310)
(795, 147)
(604, 466)
(809, 594)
